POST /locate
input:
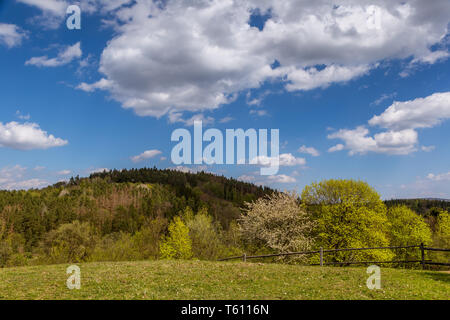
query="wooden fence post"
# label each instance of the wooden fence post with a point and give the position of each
(244, 257)
(423, 255)
(321, 256)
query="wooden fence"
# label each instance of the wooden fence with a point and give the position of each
(321, 252)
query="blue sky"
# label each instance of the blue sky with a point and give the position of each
(356, 91)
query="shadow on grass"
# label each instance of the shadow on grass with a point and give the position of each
(438, 276)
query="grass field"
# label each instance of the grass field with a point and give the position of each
(216, 280)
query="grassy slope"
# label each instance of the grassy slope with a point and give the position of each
(214, 280)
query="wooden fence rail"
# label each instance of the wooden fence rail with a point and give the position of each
(422, 248)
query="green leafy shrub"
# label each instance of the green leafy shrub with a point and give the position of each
(231, 239)
(441, 238)
(147, 239)
(407, 228)
(177, 244)
(349, 214)
(116, 247)
(443, 230)
(71, 242)
(205, 239)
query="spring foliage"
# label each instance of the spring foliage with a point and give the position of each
(407, 228)
(151, 214)
(177, 244)
(206, 244)
(71, 242)
(349, 214)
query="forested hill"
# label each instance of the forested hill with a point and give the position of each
(424, 207)
(222, 196)
(189, 185)
(225, 188)
(121, 201)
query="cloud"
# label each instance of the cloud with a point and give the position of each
(431, 186)
(27, 136)
(193, 169)
(146, 155)
(309, 150)
(178, 117)
(427, 148)
(338, 147)
(22, 116)
(64, 57)
(258, 100)
(13, 178)
(285, 160)
(226, 119)
(281, 178)
(99, 170)
(358, 141)
(54, 6)
(198, 55)
(247, 178)
(312, 78)
(429, 58)
(259, 113)
(25, 184)
(64, 172)
(401, 120)
(383, 98)
(53, 12)
(102, 84)
(439, 177)
(432, 57)
(11, 35)
(419, 113)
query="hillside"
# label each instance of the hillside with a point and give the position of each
(214, 280)
(114, 204)
(141, 214)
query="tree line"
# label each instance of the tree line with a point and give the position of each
(166, 214)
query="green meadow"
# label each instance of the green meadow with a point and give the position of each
(180, 279)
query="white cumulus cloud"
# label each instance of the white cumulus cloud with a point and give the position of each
(418, 113)
(401, 120)
(358, 141)
(198, 55)
(27, 136)
(146, 155)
